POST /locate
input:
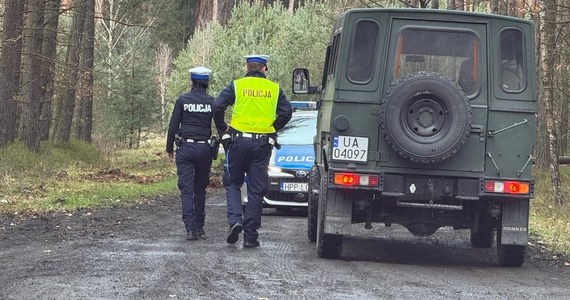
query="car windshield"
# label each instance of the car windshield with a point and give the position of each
(299, 131)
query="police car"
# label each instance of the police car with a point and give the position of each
(289, 166)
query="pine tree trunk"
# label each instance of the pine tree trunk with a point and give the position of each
(291, 7)
(435, 4)
(494, 6)
(459, 5)
(215, 10)
(502, 9)
(163, 61)
(563, 127)
(10, 60)
(219, 10)
(542, 157)
(30, 121)
(225, 10)
(64, 112)
(512, 8)
(548, 31)
(84, 119)
(49, 51)
(204, 13)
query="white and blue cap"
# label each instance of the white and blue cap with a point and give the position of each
(257, 58)
(200, 73)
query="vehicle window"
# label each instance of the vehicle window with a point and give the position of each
(512, 63)
(327, 63)
(451, 53)
(334, 55)
(299, 131)
(362, 52)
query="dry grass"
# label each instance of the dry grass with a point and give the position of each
(550, 222)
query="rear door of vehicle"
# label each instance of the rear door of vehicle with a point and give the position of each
(455, 46)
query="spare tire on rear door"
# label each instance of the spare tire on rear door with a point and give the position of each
(425, 117)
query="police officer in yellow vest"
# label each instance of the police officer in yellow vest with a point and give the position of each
(259, 109)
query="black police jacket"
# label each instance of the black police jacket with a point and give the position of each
(191, 117)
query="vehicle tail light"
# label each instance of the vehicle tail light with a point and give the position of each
(507, 187)
(353, 179)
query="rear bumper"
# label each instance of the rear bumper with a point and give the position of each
(277, 203)
(275, 197)
(463, 187)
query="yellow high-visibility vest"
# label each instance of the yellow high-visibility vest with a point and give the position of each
(255, 105)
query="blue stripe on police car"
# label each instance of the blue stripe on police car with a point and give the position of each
(294, 157)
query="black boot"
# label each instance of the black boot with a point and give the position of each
(235, 230)
(191, 235)
(201, 233)
(250, 244)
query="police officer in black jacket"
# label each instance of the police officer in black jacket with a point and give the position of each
(190, 124)
(259, 109)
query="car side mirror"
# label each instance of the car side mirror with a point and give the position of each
(300, 81)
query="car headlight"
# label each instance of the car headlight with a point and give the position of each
(273, 169)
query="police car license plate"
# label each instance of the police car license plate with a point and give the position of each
(294, 187)
(350, 148)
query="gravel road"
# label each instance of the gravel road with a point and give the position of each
(141, 253)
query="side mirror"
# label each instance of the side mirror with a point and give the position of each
(300, 81)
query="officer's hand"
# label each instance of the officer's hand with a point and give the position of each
(170, 155)
(221, 133)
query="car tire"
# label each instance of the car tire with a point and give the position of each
(510, 255)
(313, 202)
(425, 117)
(328, 245)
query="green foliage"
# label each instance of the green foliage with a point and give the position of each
(295, 46)
(199, 52)
(174, 22)
(129, 107)
(260, 29)
(250, 29)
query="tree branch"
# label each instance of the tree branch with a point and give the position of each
(124, 23)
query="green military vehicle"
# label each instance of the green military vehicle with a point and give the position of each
(426, 119)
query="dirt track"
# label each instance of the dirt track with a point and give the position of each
(141, 253)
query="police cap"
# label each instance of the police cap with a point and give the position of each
(200, 73)
(257, 58)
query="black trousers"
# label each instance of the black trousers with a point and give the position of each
(246, 155)
(193, 163)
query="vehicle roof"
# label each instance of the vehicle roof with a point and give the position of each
(305, 113)
(303, 105)
(450, 12)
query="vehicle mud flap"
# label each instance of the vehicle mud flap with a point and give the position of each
(338, 217)
(514, 222)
